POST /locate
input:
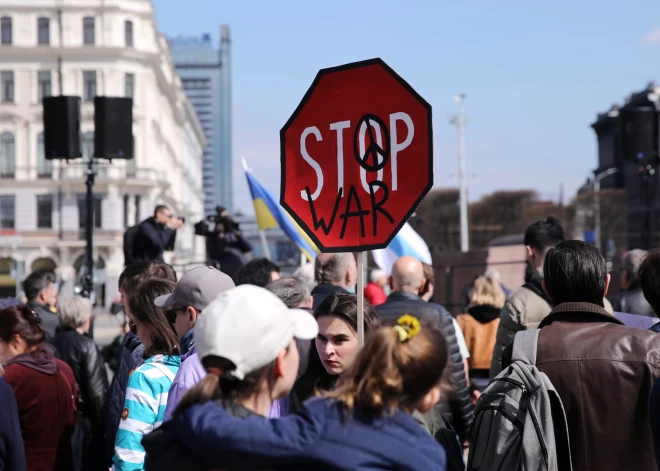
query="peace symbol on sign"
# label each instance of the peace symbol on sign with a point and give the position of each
(378, 154)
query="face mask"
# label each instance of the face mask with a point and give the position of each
(352, 290)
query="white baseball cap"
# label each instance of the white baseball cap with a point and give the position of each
(250, 326)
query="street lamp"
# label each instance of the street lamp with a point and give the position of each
(459, 121)
(597, 180)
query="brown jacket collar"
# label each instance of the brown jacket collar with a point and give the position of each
(579, 312)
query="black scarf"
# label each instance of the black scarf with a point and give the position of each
(484, 313)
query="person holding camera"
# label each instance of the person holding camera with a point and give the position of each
(225, 245)
(155, 235)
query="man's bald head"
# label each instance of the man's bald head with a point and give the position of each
(407, 274)
(336, 269)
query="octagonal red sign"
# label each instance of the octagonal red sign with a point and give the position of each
(357, 157)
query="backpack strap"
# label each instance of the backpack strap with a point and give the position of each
(524, 346)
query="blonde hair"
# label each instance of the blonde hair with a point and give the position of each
(389, 373)
(487, 291)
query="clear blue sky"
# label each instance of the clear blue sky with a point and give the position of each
(535, 74)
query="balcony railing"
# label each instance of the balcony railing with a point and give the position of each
(78, 171)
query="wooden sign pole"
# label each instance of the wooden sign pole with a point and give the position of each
(361, 262)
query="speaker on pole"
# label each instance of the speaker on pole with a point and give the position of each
(640, 134)
(113, 122)
(61, 115)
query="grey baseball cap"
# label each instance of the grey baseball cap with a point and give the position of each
(197, 288)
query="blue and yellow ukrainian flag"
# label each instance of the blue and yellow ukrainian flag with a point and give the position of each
(270, 214)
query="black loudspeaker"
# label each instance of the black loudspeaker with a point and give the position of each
(61, 127)
(640, 134)
(113, 123)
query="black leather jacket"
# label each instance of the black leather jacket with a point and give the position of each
(83, 356)
(458, 408)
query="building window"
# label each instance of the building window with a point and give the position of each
(44, 211)
(129, 85)
(7, 79)
(82, 211)
(43, 28)
(88, 146)
(128, 33)
(45, 86)
(7, 155)
(89, 34)
(44, 167)
(5, 30)
(89, 85)
(7, 212)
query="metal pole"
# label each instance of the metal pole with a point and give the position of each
(361, 263)
(460, 124)
(597, 212)
(264, 243)
(89, 231)
(60, 192)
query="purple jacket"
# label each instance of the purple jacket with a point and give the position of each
(191, 373)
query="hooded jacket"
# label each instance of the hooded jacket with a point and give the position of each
(46, 396)
(319, 437)
(479, 327)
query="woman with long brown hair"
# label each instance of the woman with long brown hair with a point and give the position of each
(336, 345)
(364, 423)
(148, 385)
(45, 390)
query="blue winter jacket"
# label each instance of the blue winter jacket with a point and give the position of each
(319, 437)
(130, 357)
(12, 453)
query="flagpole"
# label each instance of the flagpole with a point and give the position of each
(264, 242)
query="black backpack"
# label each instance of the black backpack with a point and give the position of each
(130, 236)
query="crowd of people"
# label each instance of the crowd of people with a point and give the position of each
(260, 370)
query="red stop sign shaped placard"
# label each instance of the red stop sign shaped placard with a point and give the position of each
(357, 157)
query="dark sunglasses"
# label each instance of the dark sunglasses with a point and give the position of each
(172, 313)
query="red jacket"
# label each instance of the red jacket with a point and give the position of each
(46, 395)
(374, 294)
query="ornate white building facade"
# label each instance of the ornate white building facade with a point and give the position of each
(86, 48)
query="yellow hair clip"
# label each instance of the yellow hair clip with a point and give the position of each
(407, 327)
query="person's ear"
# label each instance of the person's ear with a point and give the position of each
(278, 369)
(310, 302)
(608, 278)
(428, 401)
(545, 289)
(530, 252)
(420, 288)
(192, 315)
